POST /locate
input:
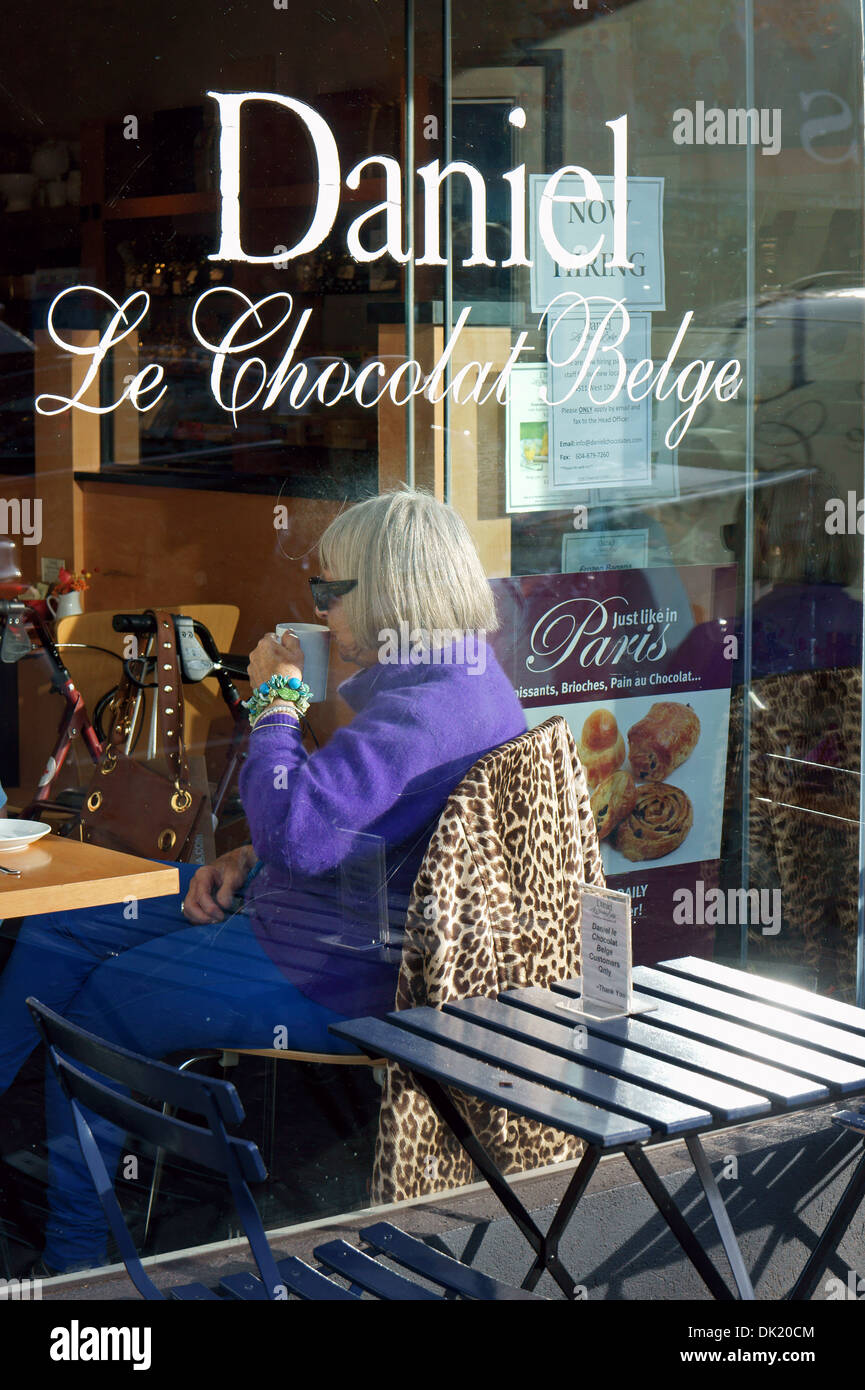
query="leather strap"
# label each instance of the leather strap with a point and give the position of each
(169, 696)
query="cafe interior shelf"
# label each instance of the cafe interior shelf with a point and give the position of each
(180, 204)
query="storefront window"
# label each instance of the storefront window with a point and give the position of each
(592, 275)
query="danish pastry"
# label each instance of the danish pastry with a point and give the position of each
(601, 747)
(662, 740)
(658, 823)
(612, 800)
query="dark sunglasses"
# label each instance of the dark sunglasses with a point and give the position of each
(324, 591)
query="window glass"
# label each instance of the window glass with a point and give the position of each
(589, 274)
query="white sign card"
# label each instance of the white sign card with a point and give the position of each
(527, 472)
(580, 224)
(596, 441)
(606, 948)
(606, 956)
(604, 550)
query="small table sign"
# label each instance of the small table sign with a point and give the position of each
(606, 957)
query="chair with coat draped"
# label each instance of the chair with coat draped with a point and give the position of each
(495, 906)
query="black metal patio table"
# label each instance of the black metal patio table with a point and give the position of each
(720, 1047)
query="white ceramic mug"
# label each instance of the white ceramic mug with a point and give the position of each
(314, 640)
(64, 605)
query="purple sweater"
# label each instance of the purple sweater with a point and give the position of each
(340, 834)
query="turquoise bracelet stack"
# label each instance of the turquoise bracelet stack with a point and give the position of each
(293, 691)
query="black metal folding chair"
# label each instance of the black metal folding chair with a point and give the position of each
(90, 1070)
(851, 1199)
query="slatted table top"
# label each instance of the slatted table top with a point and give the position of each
(720, 1047)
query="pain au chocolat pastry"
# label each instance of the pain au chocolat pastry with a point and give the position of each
(659, 822)
(662, 740)
(601, 747)
(612, 800)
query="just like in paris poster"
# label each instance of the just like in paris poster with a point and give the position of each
(639, 664)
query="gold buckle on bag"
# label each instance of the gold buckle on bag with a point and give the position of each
(181, 800)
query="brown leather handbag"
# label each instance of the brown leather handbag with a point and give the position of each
(129, 806)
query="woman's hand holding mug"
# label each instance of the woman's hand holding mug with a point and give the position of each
(276, 658)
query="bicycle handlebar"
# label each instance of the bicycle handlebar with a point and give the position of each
(140, 623)
(192, 665)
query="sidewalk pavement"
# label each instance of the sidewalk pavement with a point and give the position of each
(779, 1179)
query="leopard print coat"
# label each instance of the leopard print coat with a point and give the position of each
(495, 906)
(804, 818)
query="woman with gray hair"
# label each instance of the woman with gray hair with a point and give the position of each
(274, 941)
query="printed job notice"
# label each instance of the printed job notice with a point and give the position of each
(596, 441)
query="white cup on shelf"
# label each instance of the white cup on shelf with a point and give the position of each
(64, 605)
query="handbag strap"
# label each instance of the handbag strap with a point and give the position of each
(169, 696)
(122, 707)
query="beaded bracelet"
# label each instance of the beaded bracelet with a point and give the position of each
(292, 691)
(277, 716)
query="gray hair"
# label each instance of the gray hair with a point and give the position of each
(414, 561)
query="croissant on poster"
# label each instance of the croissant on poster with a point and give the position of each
(662, 740)
(612, 800)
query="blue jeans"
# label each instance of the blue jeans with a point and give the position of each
(155, 985)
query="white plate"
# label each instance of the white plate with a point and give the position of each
(18, 834)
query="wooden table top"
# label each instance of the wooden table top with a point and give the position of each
(57, 874)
